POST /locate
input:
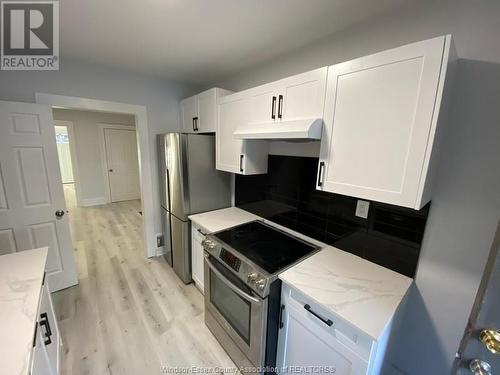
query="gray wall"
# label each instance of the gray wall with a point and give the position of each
(466, 201)
(88, 153)
(98, 82)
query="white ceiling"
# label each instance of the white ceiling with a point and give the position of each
(200, 41)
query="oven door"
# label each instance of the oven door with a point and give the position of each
(241, 313)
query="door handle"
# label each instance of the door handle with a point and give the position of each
(280, 106)
(273, 108)
(44, 322)
(195, 124)
(59, 213)
(229, 284)
(478, 367)
(491, 339)
(320, 173)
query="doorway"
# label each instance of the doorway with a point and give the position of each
(139, 112)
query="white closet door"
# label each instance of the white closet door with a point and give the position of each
(32, 207)
(123, 164)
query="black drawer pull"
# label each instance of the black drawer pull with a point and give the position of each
(44, 322)
(328, 322)
(241, 163)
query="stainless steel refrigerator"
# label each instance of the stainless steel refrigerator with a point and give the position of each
(189, 184)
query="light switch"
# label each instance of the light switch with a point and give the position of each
(362, 208)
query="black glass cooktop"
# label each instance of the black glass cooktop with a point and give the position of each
(267, 247)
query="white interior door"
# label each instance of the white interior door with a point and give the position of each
(123, 164)
(32, 206)
(62, 140)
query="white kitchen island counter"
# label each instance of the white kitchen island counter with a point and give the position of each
(363, 293)
(21, 278)
(214, 221)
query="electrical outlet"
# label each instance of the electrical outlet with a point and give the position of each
(362, 208)
(159, 240)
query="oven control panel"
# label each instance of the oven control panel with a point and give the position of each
(230, 259)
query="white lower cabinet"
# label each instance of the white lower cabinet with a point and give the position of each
(313, 340)
(47, 344)
(197, 235)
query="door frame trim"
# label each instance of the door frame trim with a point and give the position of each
(103, 148)
(144, 151)
(74, 157)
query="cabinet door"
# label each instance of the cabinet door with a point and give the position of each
(47, 343)
(197, 256)
(40, 361)
(207, 111)
(302, 96)
(189, 111)
(306, 342)
(263, 102)
(229, 150)
(378, 115)
(46, 314)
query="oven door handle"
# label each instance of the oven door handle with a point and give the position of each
(229, 284)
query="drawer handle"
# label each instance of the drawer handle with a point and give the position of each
(44, 322)
(328, 322)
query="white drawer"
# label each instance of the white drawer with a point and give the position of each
(349, 335)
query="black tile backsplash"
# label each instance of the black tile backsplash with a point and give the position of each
(391, 236)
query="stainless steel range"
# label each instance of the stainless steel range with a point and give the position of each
(242, 289)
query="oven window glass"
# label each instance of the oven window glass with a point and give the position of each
(236, 310)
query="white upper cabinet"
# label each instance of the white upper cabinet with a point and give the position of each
(235, 155)
(199, 112)
(302, 96)
(381, 116)
(294, 98)
(298, 97)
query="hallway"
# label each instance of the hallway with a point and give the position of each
(129, 314)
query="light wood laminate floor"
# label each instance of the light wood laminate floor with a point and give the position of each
(129, 314)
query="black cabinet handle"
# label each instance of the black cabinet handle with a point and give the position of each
(282, 309)
(280, 106)
(273, 108)
(44, 322)
(320, 173)
(195, 124)
(241, 163)
(328, 322)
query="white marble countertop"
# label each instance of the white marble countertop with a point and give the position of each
(21, 276)
(361, 292)
(214, 221)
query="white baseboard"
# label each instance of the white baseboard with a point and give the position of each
(93, 201)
